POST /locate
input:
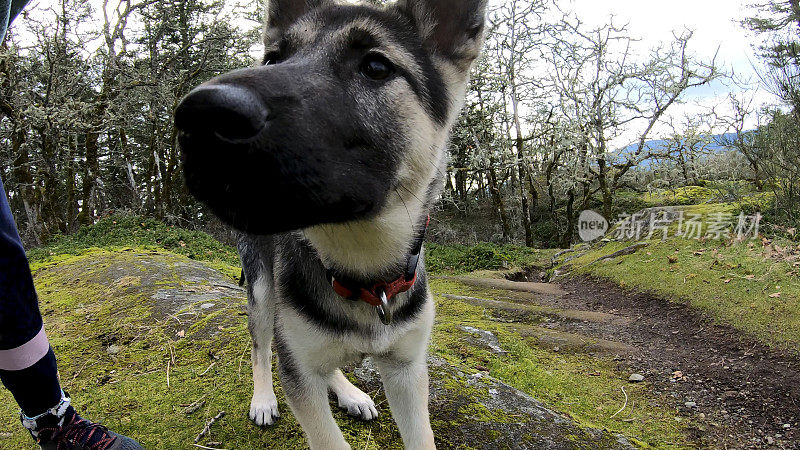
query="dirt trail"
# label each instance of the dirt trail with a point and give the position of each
(739, 393)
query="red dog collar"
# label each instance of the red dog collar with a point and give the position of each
(379, 294)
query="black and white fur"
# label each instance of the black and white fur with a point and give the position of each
(321, 166)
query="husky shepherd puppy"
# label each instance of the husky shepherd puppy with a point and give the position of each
(327, 158)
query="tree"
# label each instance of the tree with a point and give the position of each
(604, 92)
(517, 35)
(775, 147)
(88, 108)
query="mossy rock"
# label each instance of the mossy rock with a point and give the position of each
(141, 335)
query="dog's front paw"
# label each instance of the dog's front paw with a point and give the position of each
(358, 404)
(264, 410)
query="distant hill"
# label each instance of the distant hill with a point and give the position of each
(718, 144)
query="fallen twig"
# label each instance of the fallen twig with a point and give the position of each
(623, 406)
(241, 358)
(80, 370)
(195, 406)
(176, 318)
(171, 352)
(207, 428)
(369, 438)
(208, 368)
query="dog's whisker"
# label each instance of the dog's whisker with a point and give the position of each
(411, 193)
(408, 213)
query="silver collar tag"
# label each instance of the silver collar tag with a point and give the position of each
(383, 309)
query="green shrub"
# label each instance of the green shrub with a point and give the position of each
(686, 195)
(485, 256)
(630, 201)
(758, 203)
(135, 231)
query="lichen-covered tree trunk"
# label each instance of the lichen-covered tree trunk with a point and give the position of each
(519, 144)
(497, 200)
(566, 239)
(72, 200)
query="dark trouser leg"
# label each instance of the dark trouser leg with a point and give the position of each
(9, 9)
(27, 365)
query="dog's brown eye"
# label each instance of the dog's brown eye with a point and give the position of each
(272, 58)
(376, 67)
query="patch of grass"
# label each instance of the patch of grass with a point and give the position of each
(586, 387)
(752, 286)
(461, 259)
(627, 201)
(706, 192)
(687, 195)
(117, 232)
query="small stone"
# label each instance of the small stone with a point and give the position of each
(113, 349)
(770, 441)
(786, 426)
(701, 416)
(636, 378)
(206, 305)
(690, 405)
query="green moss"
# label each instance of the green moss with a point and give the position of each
(687, 195)
(479, 412)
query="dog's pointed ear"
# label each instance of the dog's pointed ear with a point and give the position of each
(281, 14)
(452, 28)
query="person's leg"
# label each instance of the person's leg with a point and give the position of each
(9, 10)
(27, 365)
(5, 17)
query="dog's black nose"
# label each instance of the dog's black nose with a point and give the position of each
(232, 112)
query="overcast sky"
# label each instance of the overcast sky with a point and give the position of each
(714, 22)
(716, 28)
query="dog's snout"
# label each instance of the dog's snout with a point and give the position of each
(231, 112)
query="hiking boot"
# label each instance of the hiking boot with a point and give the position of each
(61, 428)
